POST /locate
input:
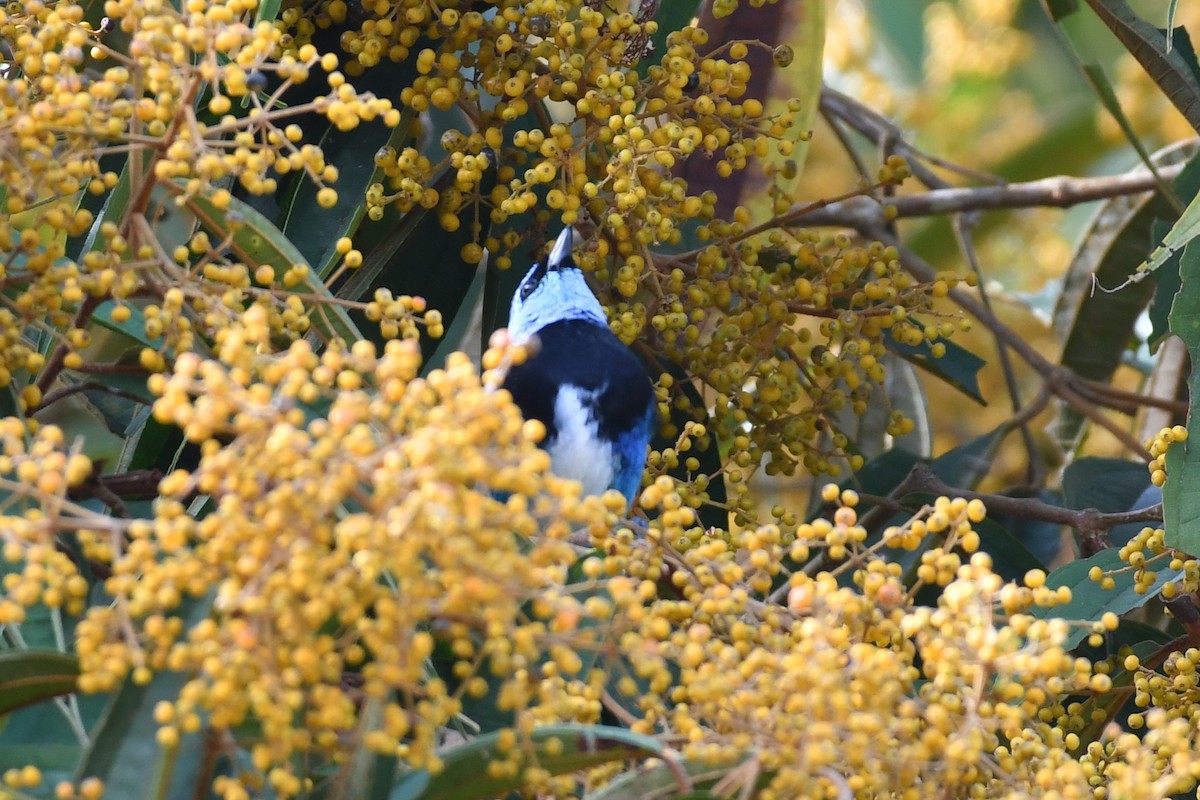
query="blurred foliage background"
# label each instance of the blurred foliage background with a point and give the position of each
(919, 316)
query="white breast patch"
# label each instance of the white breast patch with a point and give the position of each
(577, 452)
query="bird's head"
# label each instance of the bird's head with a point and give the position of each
(552, 291)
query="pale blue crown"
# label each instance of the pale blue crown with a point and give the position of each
(553, 290)
(590, 391)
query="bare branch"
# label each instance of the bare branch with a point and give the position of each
(1061, 191)
(924, 480)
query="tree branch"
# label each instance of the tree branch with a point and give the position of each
(922, 478)
(1061, 191)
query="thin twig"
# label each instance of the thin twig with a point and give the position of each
(835, 125)
(54, 365)
(55, 395)
(877, 128)
(1060, 379)
(967, 245)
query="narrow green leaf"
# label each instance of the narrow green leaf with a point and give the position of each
(421, 258)
(116, 200)
(1181, 42)
(133, 328)
(368, 775)
(1043, 540)
(1181, 500)
(879, 476)
(465, 772)
(903, 391)
(659, 780)
(46, 725)
(459, 333)
(958, 367)
(1061, 8)
(315, 230)
(1011, 558)
(59, 758)
(1184, 229)
(124, 751)
(151, 445)
(31, 676)
(963, 467)
(268, 10)
(1089, 601)
(1147, 44)
(712, 515)
(412, 786)
(1098, 327)
(1109, 485)
(672, 16)
(1171, 21)
(1108, 98)
(8, 401)
(256, 242)
(1182, 232)
(1166, 284)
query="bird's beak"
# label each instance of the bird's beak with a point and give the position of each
(562, 246)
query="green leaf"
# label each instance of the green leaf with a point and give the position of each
(1182, 232)
(459, 332)
(903, 391)
(1166, 285)
(710, 516)
(958, 367)
(59, 758)
(315, 230)
(465, 773)
(1109, 485)
(124, 751)
(963, 467)
(1171, 21)
(1090, 602)
(267, 11)
(1108, 98)
(1043, 540)
(1168, 67)
(1061, 8)
(1181, 501)
(1011, 559)
(418, 257)
(134, 328)
(1101, 710)
(256, 242)
(659, 780)
(881, 475)
(116, 200)
(368, 775)
(31, 676)
(672, 16)
(1096, 323)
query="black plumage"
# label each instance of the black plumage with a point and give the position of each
(580, 353)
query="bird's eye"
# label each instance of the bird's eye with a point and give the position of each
(528, 287)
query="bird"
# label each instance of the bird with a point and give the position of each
(580, 381)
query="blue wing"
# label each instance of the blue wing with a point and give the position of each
(630, 452)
